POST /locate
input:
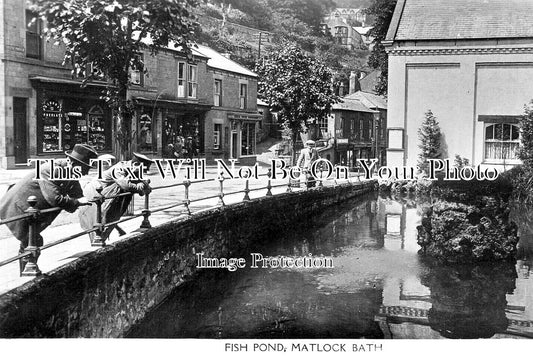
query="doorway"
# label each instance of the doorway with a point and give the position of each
(19, 130)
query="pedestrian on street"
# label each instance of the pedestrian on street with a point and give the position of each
(308, 155)
(113, 209)
(65, 194)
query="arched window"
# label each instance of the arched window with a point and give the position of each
(501, 142)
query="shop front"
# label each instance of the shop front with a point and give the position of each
(169, 128)
(243, 137)
(67, 115)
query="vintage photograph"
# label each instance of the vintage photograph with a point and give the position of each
(267, 170)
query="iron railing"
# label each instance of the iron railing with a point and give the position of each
(32, 252)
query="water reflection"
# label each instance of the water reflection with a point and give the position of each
(380, 287)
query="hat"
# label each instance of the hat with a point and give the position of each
(309, 142)
(143, 159)
(83, 154)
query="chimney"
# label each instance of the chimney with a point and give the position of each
(341, 89)
(354, 83)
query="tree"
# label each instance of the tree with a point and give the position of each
(526, 137)
(297, 86)
(430, 136)
(382, 11)
(109, 35)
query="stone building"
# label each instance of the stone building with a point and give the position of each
(207, 104)
(468, 61)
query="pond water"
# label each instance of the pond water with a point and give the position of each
(379, 286)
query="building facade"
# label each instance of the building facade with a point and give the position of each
(356, 130)
(343, 33)
(471, 64)
(203, 107)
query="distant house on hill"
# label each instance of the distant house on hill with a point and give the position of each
(342, 32)
(471, 63)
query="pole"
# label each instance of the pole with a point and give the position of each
(259, 55)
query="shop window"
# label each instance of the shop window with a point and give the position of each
(192, 80)
(64, 127)
(501, 142)
(248, 138)
(146, 133)
(51, 126)
(217, 93)
(243, 96)
(181, 79)
(33, 35)
(182, 135)
(216, 136)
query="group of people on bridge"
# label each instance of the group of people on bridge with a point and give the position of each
(70, 196)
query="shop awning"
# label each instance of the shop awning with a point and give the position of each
(182, 104)
(244, 116)
(53, 80)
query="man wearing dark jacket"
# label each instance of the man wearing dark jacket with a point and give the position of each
(66, 194)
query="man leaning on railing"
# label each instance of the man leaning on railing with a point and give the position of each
(64, 194)
(115, 181)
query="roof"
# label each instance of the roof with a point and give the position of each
(370, 100)
(218, 61)
(368, 83)
(261, 102)
(351, 105)
(461, 19)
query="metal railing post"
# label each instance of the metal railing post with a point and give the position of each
(187, 201)
(269, 184)
(31, 268)
(246, 190)
(320, 184)
(221, 192)
(98, 241)
(146, 211)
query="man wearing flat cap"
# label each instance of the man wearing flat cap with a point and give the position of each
(114, 181)
(65, 194)
(308, 155)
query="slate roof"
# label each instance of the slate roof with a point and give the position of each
(461, 19)
(218, 61)
(368, 83)
(370, 100)
(351, 105)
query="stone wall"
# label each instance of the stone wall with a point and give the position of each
(104, 293)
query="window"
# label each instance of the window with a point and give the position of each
(501, 142)
(33, 35)
(217, 96)
(248, 138)
(192, 81)
(323, 126)
(216, 136)
(137, 75)
(243, 96)
(181, 79)
(93, 73)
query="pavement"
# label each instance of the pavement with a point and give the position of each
(67, 224)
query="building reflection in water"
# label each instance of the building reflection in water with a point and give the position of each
(479, 301)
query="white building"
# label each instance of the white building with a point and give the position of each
(468, 61)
